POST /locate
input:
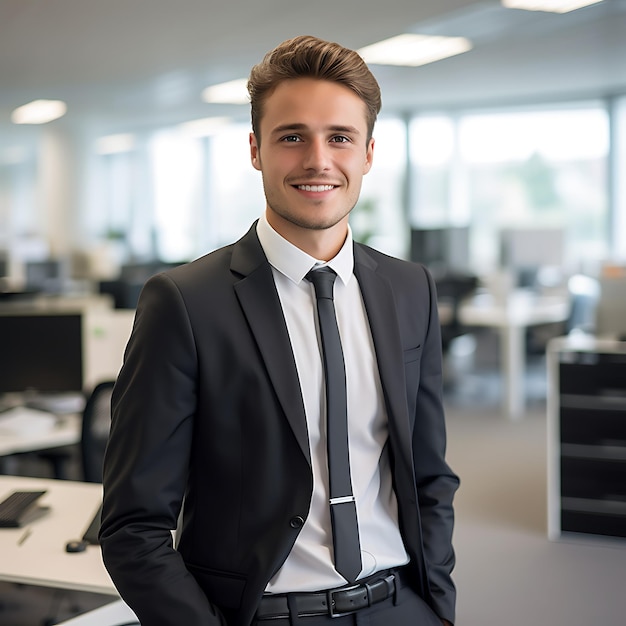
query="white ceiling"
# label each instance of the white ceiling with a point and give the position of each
(125, 62)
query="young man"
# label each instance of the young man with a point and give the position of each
(220, 407)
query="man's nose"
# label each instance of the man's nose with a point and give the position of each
(317, 156)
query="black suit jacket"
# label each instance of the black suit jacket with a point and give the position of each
(207, 409)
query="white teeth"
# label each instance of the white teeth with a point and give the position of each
(316, 188)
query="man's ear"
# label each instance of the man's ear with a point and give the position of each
(369, 157)
(255, 157)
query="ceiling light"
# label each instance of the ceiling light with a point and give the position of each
(413, 50)
(204, 127)
(232, 92)
(115, 144)
(39, 112)
(550, 6)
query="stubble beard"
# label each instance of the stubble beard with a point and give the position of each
(309, 221)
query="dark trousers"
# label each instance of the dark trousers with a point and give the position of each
(407, 609)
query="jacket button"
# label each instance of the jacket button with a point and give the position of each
(296, 522)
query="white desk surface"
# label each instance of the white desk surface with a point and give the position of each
(510, 316)
(35, 554)
(67, 432)
(587, 343)
(519, 308)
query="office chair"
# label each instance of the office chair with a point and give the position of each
(583, 293)
(453, 287)
(95, 431)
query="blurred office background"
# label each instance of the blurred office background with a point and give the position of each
(500, 167)
(526, 128)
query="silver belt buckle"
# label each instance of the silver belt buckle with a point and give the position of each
(330, 595)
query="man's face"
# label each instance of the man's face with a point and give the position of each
(312, 153)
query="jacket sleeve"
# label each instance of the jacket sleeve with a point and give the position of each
(436, 483)
(145, 467)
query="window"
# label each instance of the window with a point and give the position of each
(177, 165)
(379, 217)
(432, 144)
(22, 232)
(18, 191)
(539, 168)
(236, 189)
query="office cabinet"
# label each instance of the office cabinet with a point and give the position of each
(587, 437)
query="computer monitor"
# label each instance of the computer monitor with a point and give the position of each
(527, 251)
(41, 353)
(443, 248)
(611, 309)
(4, 264)
(4, 273)
(47, 276)
(530, 247)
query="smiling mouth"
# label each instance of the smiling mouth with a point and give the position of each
(315, 188)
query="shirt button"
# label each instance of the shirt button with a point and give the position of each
(296, 522)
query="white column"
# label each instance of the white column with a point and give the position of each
(60, 188)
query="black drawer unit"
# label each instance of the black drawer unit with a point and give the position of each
(587, 437)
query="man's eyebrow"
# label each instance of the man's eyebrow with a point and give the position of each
(339, 128)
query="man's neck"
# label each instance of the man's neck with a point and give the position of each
(322, 244)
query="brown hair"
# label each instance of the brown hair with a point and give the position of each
(310, 57)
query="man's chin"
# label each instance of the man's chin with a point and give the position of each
(311, 221)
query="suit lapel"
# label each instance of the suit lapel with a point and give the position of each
(381, 310)
(380, 305)
(259, 300)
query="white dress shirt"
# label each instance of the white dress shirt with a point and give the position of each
(309, 567)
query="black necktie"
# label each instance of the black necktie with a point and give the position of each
(342, 505)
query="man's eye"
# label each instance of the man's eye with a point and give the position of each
(291, 138)
(340, 139)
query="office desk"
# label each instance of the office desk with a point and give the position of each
(66, 433)
(46, 303)
(35, 554)
(511, 316)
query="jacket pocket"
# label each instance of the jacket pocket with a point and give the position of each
(412, 354)
(221, 588)
(412, 366)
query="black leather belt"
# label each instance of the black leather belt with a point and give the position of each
(334, 602)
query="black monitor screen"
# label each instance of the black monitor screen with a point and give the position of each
(428, 245)
(46, 276)
(445, 248)
(41, 353)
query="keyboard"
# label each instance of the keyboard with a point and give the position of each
(91, 534)
(20, 508)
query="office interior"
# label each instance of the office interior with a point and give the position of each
(498, 168)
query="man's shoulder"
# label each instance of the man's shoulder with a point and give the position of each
(211, 259)
(218, 261)
(386, 263)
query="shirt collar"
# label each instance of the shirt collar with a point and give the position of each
(294, 263)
